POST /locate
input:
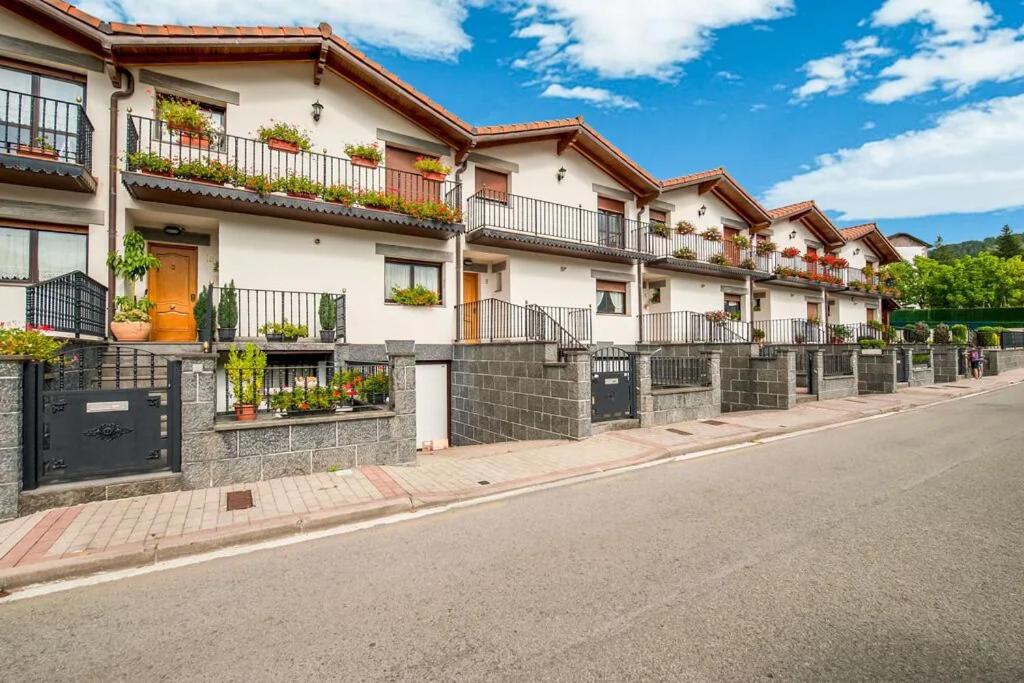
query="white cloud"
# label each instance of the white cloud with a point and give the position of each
(759, 106)
(427, 29)
(728, 76)
(835, 74)
(968, 162)
(868, 125)
(951, 20)
(956, 68)
(639, 38)
(599, 97)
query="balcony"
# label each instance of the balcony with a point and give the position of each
(796, 270)
(231, 173)
(863, 282)
(505, 220)
(691, 327)
(72, 303)
(689, 252)
(45, 143)
(262, 314)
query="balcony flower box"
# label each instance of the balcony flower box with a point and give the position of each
(283, 145)
(432, 169)
(284, 137)
(46, 152)
(364, 162)
(302, 195)
(194, 139)
(365, 155)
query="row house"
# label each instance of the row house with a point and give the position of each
(519, 230)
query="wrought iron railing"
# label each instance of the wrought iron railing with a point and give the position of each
(578, 322)
(678, 371)
(868, 279)
(260, 310)
(789, 331)
(45, 128)
(492, 320)
(72, 303)
(310, 388)
(799, 267)
(837, 364)
(864, 331)
(538, 218)
(695, 247)
(1011, 339)
(689, 327)
(248, 162)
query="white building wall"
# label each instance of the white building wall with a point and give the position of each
(687, 202)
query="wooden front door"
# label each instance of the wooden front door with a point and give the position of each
(470, 312)
(172, 287)
(732, 252)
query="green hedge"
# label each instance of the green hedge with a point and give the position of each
(972, 317)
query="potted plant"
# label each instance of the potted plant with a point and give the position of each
(431, 168)
(765, 247)
(375, 388)
(131, 322)
(840, 262)
(431, 210)
(758, 334)
(245, 370)
(347, 384)
(719, 259)
(367, 155)
(790, 252)
(274, 332)
(741, 241)
(284, 137)
(203, 312)
(712, 234)
(291, 333)
(258, 183)
(840, 333)
(685, 253)
(415, 296)
(328, 318)
(151, 163)
(717, 317)
(748, 264)
(685, 228)
(187, 120)
(340, 194)
(810, 257)
(39, 149)
(210, 171)
(227, 313)
(659, 229)
(298, 186)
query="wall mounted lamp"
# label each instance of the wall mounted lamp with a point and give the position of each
(318, 109)
(561, 174)
(856, 251)
(173, 230)
(792, 235)
(702, 210)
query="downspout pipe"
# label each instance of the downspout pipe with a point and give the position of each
(642, 241)
(115, 97)
(458, 250)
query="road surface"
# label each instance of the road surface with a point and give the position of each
(893, 548)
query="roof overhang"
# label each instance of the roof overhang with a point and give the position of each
(815, 220)
(723, 186)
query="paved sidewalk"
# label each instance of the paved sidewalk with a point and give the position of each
(81, 539)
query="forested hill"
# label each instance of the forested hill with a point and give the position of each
(951, 252)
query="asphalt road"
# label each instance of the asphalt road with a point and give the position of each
(888, 549)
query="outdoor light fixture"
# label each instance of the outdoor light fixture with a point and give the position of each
(317, 110)
(856, 251)
(173, 230)
(561, 174)
(702, 210)
(792, 235)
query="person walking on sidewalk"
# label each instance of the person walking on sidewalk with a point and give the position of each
(977, 359)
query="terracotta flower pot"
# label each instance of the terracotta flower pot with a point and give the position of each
(130, 331)
(197, 140)
(432, 175)
(302, 195)
(162, 174)
(245, 412)
(362, 161)
(283, 145)
(37, 152)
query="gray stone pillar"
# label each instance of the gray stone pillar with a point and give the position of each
(578, 375)
(817, 382)
(402, 358)
(714, 360)
(10, 435)
(644, 399)
(200, 445)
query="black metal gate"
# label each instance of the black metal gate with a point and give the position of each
(612, 384)
(902, 367)
(812, 371)
(99, 412)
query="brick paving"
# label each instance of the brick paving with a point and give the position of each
(147, 521)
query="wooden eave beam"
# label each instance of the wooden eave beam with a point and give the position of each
(566, 141)
(708, 186)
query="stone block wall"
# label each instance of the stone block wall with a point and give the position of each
(518, 392)
(10, 436)
(217, 452)
(662, 406)
(944, 363)
(920, 375)
(876, 372)
(1003, 360)
(838, 386)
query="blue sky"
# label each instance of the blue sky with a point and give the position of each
(908, 112)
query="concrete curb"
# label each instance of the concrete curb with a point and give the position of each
(147, 553)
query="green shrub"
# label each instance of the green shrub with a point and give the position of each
(297, 185)
(227, 313)
(872, 343)
(15, 341)
(959, 334)
(988, 335)
(244, 370)
(151, 162)
(286, 132)
(922, 358)
(328, 312)
(415, 296)
(183, 115)
(941, 334)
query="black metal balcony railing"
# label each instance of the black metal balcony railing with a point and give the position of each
(797, 266)
(578, 322)
(689, 327)
(246, 158)
(674, 372)
(260, 307)
(789, 331)
(694, 247)
(538, 218)
(45, 128)
(315, 387)
(837, 364)
(72, 303)
(868, 279)
(491, 320)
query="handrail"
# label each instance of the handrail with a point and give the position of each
(45, 128)
(578, 321)
(789, 331)
(540, 218)
(259, 307)
(490, 320)
(691, 327)
(692, 246)
(72, 302)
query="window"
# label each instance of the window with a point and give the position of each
(404, 180)
(492, 185)
(658, 216)
(611, 222)
(42, 103)
(733, 304)
(405, 274)
(758, 304)
(28, 255)
(611, 297)
(216, 113)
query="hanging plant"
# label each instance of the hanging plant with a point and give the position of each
(284, 137)
(368, 155)
(685, 228)
(741, 241)
(431, 168)
(766, 247)
(712, 234)
(685, 253)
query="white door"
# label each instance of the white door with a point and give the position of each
(431, 404)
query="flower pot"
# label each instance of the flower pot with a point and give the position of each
(226, 334)
(274, 337)
(37, 152)
(302, 195)
(327, 336)
(245, 412)
(289, 339)
(130, 331)
(283, 145)
(432, 175)
(162, 174)
(197, 140)
(364, 162)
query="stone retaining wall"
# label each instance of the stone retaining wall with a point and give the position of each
(1003, 360)
(920, 375)
(216, 452)
(837, 386)
(661, 406)
(10, 436)
(944, 363)
(518, 392)
(876, 371)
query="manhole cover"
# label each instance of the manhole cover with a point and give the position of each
(484, 482)
(716, 423)
(680, 431)
(239, 500)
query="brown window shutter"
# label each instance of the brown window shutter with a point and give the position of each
(609, 286)
(493, 183)
(658, 216)
(611, 205)
(404, 180)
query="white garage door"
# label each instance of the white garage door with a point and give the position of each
(431, 404)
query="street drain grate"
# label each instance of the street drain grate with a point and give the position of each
(680, 431)
(716, 423)
(484, 482)
(239, 500)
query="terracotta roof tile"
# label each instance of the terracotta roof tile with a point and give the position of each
(790, 209)
(527, 126)
(692, 177)
(858, 231)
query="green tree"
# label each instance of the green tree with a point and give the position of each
(1007, 244)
